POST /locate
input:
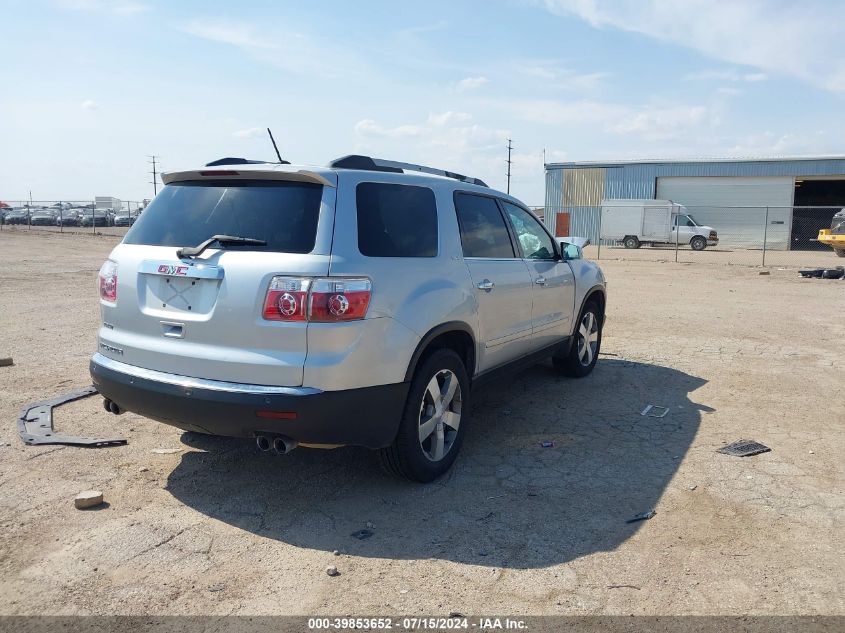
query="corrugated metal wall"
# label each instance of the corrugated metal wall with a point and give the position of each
(567, 190)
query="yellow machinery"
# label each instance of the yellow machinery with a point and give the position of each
(835, 235)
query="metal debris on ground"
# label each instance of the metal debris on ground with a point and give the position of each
(35, 423)
(547, 444)
(624, 587)
(823, 273)
(6, 362)
(88, 499)
(456, 614)
(655, 411)
(645, 516)
(744, 448)
(331, 570)
(764, 272)
(220, 586)
(362, 535)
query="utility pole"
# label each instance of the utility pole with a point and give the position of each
(154, 173)
(510, 147)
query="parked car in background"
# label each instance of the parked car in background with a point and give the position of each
(638, 222)
(42, 217)
(357, 304)
(124, 219)
(18, 216)
(98, 217)
(70, 217)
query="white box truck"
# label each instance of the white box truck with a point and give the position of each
(638, 222)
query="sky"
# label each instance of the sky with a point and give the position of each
(92, 87)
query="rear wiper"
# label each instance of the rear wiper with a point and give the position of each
(221, 240)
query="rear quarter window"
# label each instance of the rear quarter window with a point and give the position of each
(284, 214)
(396, 220)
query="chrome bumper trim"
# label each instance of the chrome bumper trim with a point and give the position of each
(199, 383)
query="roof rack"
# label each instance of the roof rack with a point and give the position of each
(232, 160)
(367, 163)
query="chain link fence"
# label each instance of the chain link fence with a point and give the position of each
(106, 216)
(749, 236)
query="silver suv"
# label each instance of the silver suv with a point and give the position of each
(358, 303)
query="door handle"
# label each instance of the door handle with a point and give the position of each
(540, 281)
(485, 285)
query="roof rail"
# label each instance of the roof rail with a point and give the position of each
(367, 163)
(232, 160)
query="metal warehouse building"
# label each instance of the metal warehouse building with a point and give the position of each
(737, 196)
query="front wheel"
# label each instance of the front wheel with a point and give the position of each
(840, 252)
(631, 242)
(584, 351)
(698, 243)
(431, 430)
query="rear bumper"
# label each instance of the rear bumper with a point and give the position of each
(367, 416)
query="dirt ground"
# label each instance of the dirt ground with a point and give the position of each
(219, 528)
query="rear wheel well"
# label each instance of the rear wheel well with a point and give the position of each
(460, 341)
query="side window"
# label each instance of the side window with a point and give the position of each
(535, 242)
(396, 220)
(483, 229)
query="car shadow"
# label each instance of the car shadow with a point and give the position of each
(511, 500)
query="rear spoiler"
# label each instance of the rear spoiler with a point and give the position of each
(300, 175)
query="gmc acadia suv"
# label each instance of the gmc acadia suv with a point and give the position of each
(358, 303)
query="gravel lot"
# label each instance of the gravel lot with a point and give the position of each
(219, 528)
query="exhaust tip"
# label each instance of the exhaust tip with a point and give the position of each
(262, 442)
(114, 408)
(282, 445)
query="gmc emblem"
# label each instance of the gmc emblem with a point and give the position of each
(173, 271)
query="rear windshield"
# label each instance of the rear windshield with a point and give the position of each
(284, 214)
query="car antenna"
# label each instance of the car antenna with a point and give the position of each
(273, 141)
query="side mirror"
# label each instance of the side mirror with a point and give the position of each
(570, 251)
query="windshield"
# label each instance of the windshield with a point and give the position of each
(282, 213)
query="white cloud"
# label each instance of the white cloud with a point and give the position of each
(448, 118)
(226, 32)
(550, 70)
(650, 122)
(114, 7)
(250, 132)
(771, 144)
(659, 123)
(89, 104)
(368, 127)
(290, 51)
(447, 140)
(725, 75)
(778, 37)
(471, 83)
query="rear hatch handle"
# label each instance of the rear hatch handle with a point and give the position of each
(220, 240)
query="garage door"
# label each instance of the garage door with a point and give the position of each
(736, 207)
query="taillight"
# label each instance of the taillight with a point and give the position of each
(339, 299)
(287, 299)
(319, 300)
(108, 281)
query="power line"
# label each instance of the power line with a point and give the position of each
(510, 147)
(154, 172)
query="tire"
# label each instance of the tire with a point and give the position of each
(840, 252)
(581, 359)
(698, 243)
(631, 242)
(425, 459)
